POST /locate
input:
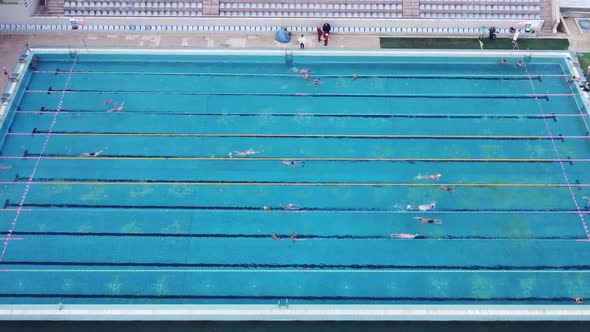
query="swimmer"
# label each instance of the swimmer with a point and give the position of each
(117, 109)
(423, 207)
(240, 154)
(403, 236)
(316, 82)
(587, 202)
(503, 61)
(578, 300)
(91, 154)
(519, 64)
(428, 220)
(291, 207)
(428, 177)
(5, 167)
(293, 236)
(266, 209)
(573, 79)
(306, 76)
(447, 189)
(293, 163)
(108, 102)
(354, 77)
(275, 237)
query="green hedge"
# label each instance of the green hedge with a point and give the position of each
(473, 43)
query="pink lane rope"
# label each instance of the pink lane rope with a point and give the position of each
(579, 211)
(30, 180)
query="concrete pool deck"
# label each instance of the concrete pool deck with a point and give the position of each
(296, 312)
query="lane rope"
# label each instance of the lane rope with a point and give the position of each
(279, 135)
(343, 115)
(307, 94)
(296, 75)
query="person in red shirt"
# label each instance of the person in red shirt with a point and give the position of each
(326, 38)
(320, 33)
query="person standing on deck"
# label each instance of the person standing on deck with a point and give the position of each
(302, 42)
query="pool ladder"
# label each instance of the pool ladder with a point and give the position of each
(286, 303)
(289, 57)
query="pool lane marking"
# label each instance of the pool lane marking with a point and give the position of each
(94, 182)
(296, 75)
(308, 94)
(561, 164)
(286, 236)
(320, 159)
(181, 209)
(299, 266)
(337, 136)
(282, 271)
(315, 114)
(30, 179)
(73, 206)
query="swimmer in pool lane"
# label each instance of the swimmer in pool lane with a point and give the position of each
(291, 207)
(403, 236)
(117, 109)
(275, 237)
(354, 77)
(293, 236)
(587, 202)
(316, 82)
(428, 220)
(91, 154)
(266, 209)
(447, 189)
(241, 154)
(293, 163)
(423, 207)
(428, 177)
(503, 61)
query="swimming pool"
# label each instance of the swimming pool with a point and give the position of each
(170, 212)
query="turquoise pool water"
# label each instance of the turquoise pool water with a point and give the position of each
(163, 214)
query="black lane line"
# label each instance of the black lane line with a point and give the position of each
(296, 94)
(380, 116)
(255, 266)
(286, 236)
(294, 297)
(296, 136)
(258, 208)
(408, 160)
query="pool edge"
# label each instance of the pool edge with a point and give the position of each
(297, 312)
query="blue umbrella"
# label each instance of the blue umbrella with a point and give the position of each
(282, 36)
